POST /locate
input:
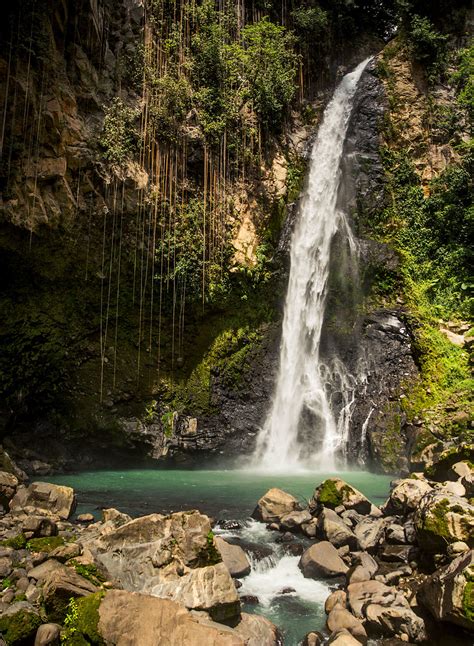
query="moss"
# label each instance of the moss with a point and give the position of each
(16, 542)
(330, 496)
(20, 627)
(46, 544)
(7, 583)
(89, 572)
(468, 601)
(439, 470)
(82, 621)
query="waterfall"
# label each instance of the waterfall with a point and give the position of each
(308, 423)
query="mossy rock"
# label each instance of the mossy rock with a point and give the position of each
(441, 469)
(17, 542)
(46, 544)
(443, 519)
(19, 627)
(82, 620)
(209, 555)
(334, 492)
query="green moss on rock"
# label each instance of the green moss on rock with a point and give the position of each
(82, 621)
(16, 542)
(19, 627)
(329, 495)
(46, 544)
(209, 555)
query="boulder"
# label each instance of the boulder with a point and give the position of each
(59, 587)
(294, 521)
(340, 618)
(8, 485)
(443, 469)
(342, 638)
(208, 588)
(274, 505)
(43, 570)
(145, 551)
(46, 498)
(313, 639)
(48, 635)
(449, 593)
(19, 622)
(367, 561)
(360, 595)
(394, 621)
(370, 532)
(357, 574)
(442, 519)
(234, 558)
(322, 560)
(333, 529)
(133, 619)
(117, 518)
(406, 496)
(395, 534)
(39, 527)
(337, 598)
(334, 492)
(257, 631)
(65, 552)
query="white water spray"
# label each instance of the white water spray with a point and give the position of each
(304, 426)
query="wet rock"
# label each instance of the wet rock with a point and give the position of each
(322, 560)
(313, 639)
(208, 588)
(234, 558)
(295, 549)
(45, 497)
(48, 635)
(442, 519)
(334, 492)
(274, 505)
(340, 618)
(406, 496)
(132, 618)
(336, 598)
(287, 591)
(333, 529)
(229, 525)
(449, 593)
(250, 599)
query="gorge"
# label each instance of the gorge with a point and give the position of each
(236, 322)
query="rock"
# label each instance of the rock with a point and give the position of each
(351, 517)
(274, 505)
(357, 574)
(39, 526)
(310, 529)
(48, 635)
(443, 519)
(456, 549)
(257, 631)
(148, 550)
(46, 498)
(343, 638)
(250, 599)
(443, 468)
(370, 532)
(367, 562)
(337, 598)
(114, 516)
(461, 470)
(234, 558)
(59, 587)
(43, 570)
(142, 620)
(397, 553)
(361, 594)
(385, 621)
(5, 566)
(85, 518)
(393, 577)
(313, 639)
(19, 622)
(322, 560)
(335, 492)
(405, 497)
(208, 588)
(340, 618)
(8, 485)
(395, 534)
(333, 529)
(449, 593)
(293, 521)
(65, 552)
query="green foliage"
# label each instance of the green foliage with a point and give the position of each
(167, 422)
(7, 583)
(89, 572)
(428, 46)
(16, 542)
(19, 628)
(209, 555)
(119, 138)
(81, 621)
(329, 495)
(464, 79)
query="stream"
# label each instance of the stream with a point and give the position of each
(231, 495)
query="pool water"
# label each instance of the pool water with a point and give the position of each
(225, 495)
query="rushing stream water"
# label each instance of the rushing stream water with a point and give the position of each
(226, 495)
(306, 383)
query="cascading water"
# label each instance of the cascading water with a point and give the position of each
(305, 426)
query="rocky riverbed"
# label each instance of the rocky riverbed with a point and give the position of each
(399, 573)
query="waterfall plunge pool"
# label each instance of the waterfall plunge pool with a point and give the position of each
(227, 495)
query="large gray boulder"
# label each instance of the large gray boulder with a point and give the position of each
(334, 492)
(274, 505)
(208, 588)
(370, 532)
(406, 496)
(322, 560)
(44, 498)
(333, 529)
(234, 558)
(449, 592)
